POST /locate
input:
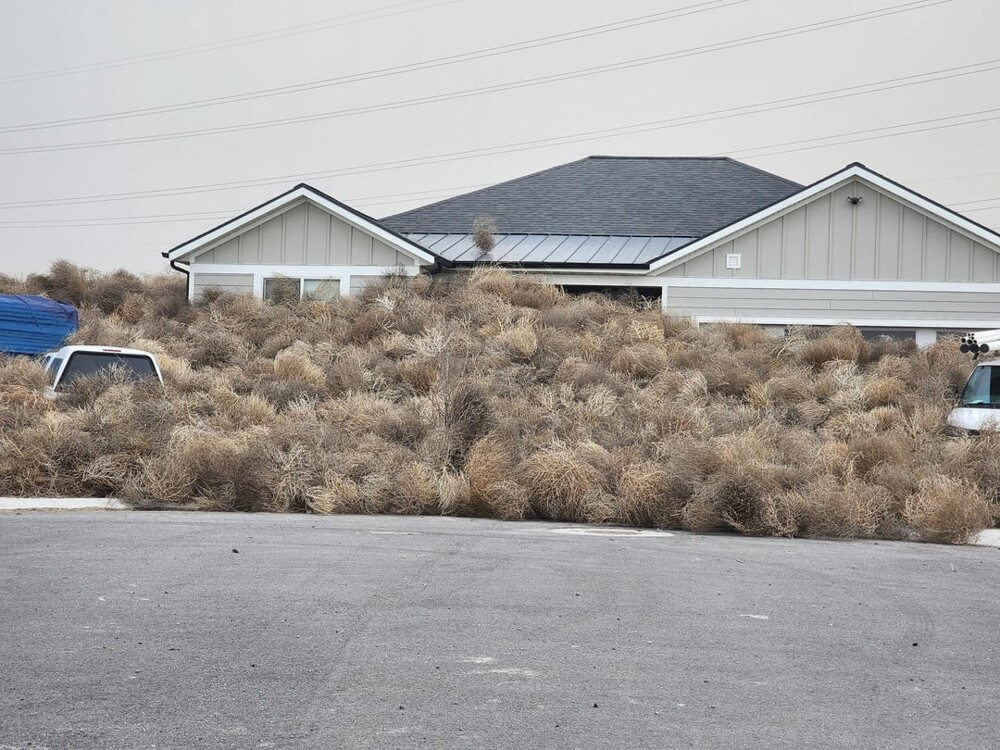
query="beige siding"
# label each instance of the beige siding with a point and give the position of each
(305, 235)
(361, 249)
(879, 239)
(234, 283)
(840, 304)
(358, 283)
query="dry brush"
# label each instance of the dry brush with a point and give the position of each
(491, 395)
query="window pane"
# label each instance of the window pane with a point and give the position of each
(321, 289)
(82, 364)
(983, 388)
(896, 334)
(281, 289)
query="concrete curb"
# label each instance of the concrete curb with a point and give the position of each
(61, 503)
(987, 538)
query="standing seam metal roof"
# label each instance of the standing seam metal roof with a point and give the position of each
(551, 248)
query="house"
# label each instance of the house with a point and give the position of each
(302, 237)
(714, 239)
(599, 213)
(855, 247)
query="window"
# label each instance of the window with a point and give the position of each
(983, 388)
(896, 334)
(53, 366)
(638, 296)
(282, 289)
(279, 289)
(82, 364)
(321, 289)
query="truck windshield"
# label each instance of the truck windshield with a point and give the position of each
(136, 367)
(983, 388)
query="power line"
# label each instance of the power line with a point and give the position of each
(944, 74)
(981, 200)
(438, 62)
(222, 214)
(107, 221)
(371, 200)
(810, 143)
(962, 177)
(110, 218)
(84, 224)
(582, 137)
(264, 36)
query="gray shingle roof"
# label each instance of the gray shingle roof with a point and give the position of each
(610, 196)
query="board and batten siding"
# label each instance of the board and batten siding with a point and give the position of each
(231, 283)
(878, 239)
(304, 235)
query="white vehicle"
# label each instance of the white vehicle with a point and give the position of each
(72, 362)
(978, 408)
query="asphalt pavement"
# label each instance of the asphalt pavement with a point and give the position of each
(187, 630)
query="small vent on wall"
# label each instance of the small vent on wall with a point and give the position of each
(734, 261)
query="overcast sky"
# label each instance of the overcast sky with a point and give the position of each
(797, 87)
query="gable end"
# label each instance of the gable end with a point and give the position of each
(858, 227)
(302, 227)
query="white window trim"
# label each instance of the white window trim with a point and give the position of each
(827, 285)
(342, 274)
(258, 282)
(312, 271)
(908, 323)
(824, 285)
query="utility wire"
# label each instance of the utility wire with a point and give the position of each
(450, 60)
(713, 116)
(106, 221)
(944, 74)
(962, 177)
(84, 224)
(371, 200)
(981, 200)
(265, 36)
(436, 62)
(222, 214)
(935, 123)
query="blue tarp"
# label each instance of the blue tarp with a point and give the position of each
(34, 325)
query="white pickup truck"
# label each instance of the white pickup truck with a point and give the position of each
(978, 408)
(72, 362)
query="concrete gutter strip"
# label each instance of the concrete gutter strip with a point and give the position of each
(61, 503)
(987, 538)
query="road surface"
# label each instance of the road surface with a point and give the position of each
(180, 630)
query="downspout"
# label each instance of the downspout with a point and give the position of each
(187, 283)
(440, 264)
(436, 268)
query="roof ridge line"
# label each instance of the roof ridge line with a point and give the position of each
(764, 171)
(488, 187)
(661, 158)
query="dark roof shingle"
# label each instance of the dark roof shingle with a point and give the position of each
(610, 195)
